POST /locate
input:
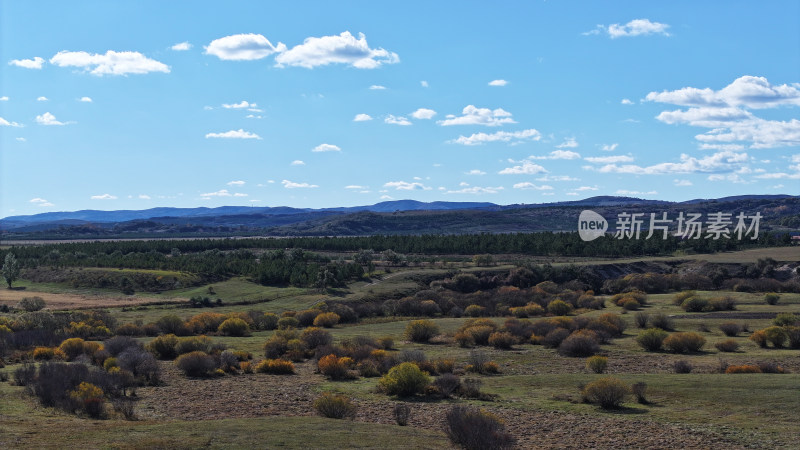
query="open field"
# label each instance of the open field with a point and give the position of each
(536, 392)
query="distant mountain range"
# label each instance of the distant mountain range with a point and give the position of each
(391, 217)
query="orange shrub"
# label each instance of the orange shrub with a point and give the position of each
(326, 320)
(72, 347)
(206, 322)
(334, 367)
(246, 367)
(746, 368)
(275, 367)
(43, 353)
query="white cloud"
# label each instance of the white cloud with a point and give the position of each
(110, 63)
(748, 91)
(423, 113)
(721, 146)
(568, 143)
(515, 137)
(586, 188)
(396, 120)
(341, 49)
(356, 187)
(479, 116)
(732, 177)
(104, 197)
(235, 183)
(609, 159)
(362, 118)
(234, 134)
(181, 46)
(498, 83)
(41, 202)
(636, 27)
(387, 197)
(4, 98)
(682, 182)
(35, 63)
(85, 99)
(292, 185)
(326, 148)
(627, 192)
(42, 99)
(626, 101)
(718, 162)
(377, 87)
(239, 194)
(241, 105)
(477, 190)
(529, 185)
(476, 172)
(144, 197)
(297, 162)
(253, 116)
(406, 186)
(609, 147)
(243, 47)
(557, 178)
(559, 154)
(568, 193)
(49, 119)
(423, 83)
(6, 123)
(526, 168)
(21, 139)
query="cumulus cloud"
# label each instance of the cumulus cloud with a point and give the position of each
(525, 168)
(636, 27)
(423, 113)
(243, 47)
(85, 99)
(725, 161)
(626, 101)
(41, 202)
(42, 99)
(355, 187)
(181, 46)
(6, 123)
(292, 185)
(726, 113)
(235, 183)
(110, 63)
(104, 197)
(4, 98)
(472, 115)
(514, 137)
(568, 143)
(341, 49)
(476, 172)
(609, 159)
(144, 197)
(531, 186)
(377, 87)
(557, 178)
(49, 119)
(406, 186)
(362, 118)
(233, 134)
(297, 162)
(609, 147)
(682, 182)
(326, 148)
(244, 104)
(35, 63)
(423, 83)
(586, 188)
(559, 154)
(477, 190)
(396, 120)
(498, 83)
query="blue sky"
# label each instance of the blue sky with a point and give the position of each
(133, 105)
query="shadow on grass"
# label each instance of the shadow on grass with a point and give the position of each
(625, 410)
(18, 288)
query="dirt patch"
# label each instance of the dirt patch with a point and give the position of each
(11, 297)
(257, 395)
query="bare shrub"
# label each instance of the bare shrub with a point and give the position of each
(682, 366)
(475, 429)
(402, 413)
(730, 329)
(640, 391)
(447, 384)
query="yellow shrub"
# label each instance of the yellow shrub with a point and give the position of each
(334, 367)
(326, 320)
(43, 353)
(275, 367)
(72, 347)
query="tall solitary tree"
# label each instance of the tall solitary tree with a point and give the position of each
(10, 269)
